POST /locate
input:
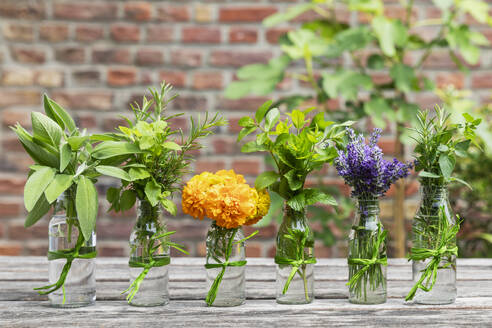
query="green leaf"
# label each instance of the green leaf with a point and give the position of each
(112, 171)
(171, 145)
(367, 6)
(443, 148)
(58, 114)
(152, 191)
(305, 43)
(443, 4)
(478, 9)
(76, 142)
(346, 83)
(108, 149)
(146, 142)
(262, 110)
(36, 185)
(251, 147)
(244, 132)
(271, 118)
(290, 13)
(424, 174)
(461, 181)
(313, 196)
(127, 200)
(65, 156)
(461, 148)
(37, 153)
(137, 173)
(266, 179)
(169, 206)
(446, 165)
(294, 182)
(113, 194)
(298, 118)
(379, 110)
(390, 33)
(39, 210)
(298, 202)
(45, 129)
(404, 77)
(58, 185)
(375, 61)
(246, 122)
(86, 203)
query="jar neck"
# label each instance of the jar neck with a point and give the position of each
(148, 214)
(368, 208)
(65, 205)
(291, 215)
(434, 191)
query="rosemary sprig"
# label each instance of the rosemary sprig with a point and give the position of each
(445, 247)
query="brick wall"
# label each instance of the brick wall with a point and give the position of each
(94, 57)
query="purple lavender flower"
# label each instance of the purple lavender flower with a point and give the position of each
(363, 167)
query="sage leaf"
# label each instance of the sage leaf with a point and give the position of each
(65, 156)
(171, 145)
(58, 114)
(425, 174)
(446, 165)
(86, 203)
(37, 153)
(40, 209)
(36, 185)
(169, 206)
(138, 173)
(60, 183)
(266, 179)
(108, 149)
(152, 191)
(127, 200)
(45, 129)
(76, 142)
(114, 172)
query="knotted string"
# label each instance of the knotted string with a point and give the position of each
(445, 236)
(212, 293)
(70, 255)
(295, 267)
(150, 263)
(368, 263)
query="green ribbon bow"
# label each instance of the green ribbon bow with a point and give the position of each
(368, 263)
(150, 262)
(444, 247)
(78, 252)
(212, 293)
(295, 267)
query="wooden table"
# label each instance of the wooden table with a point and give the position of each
(20, 306)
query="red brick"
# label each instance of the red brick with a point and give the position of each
(138, 10)
(233, 125)
(110, 124)
(28, 55)
(53, 32)
(200, 35)
(122, 76)
(12, 144)
(125, 32)
(387, 145)
(455, 79)
(179, 123)
(160, 33)
(17, 77)
(19, 232)
(272, 35)
(87, 76)
(116, 229)
(238, 58)
(225, 145)
(49, 78)
(243, 35)
(22, 9)
(171, 13)
(10, 208)
(176, 78)
(481, 81)
(85, 10)
(253, 249)
(10, 249)
(245, 14)
(244, 104)
(186, 57)
(439, 59)
(36, 249)
(267, 232)
(88, 33)
(86, 121)
(149, 57)
(18, 32)
(246, 167)
(321, 251)
(111, 56)
(19, 97)
(93, 100)
(207, 80)
(70, 55)
(13, 116)
(381, 78)
(202, 165)
(110, 250)
(12, 184)
(427, 101)
(189, 102)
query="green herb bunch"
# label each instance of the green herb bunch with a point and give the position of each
(63, 164)
(152, 157)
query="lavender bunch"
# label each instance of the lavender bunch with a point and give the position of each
(363, 167)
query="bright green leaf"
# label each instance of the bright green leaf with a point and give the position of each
(36, 185)
(65, 156)
(58, 185)
(171, 145)
(262, 110)
(137, 173)
(169, 206)
(58, 114)
(86, 203)
(266, 179)
(152, 191)
(447, 165)
(108, 149)
(45, 129)
(114, 172)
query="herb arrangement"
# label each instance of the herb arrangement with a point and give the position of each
(363, 167)
(150, 158)
(297, 145)
(62, 178)
(230, 202)
(438, 145)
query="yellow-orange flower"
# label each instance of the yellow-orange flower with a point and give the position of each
(224, 197)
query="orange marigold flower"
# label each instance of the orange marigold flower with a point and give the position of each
(262, 207)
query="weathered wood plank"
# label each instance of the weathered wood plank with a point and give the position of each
(321, 313)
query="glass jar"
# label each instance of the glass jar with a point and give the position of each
(433, 207)
(149, 257)
(79, 288)
(225, 283)
(295, 259)
(367, 255)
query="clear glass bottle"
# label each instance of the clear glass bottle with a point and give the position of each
(231, 291)
(364, 237)
(153, 290)
(434, 198)
(80, 283)
(301, 288)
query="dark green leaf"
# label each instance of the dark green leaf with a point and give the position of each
(295, 183)
(404, 77)
(40, 209)
(375, 62)
(127, 200)
(37, 153)
(461, 148)
(86, 203)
